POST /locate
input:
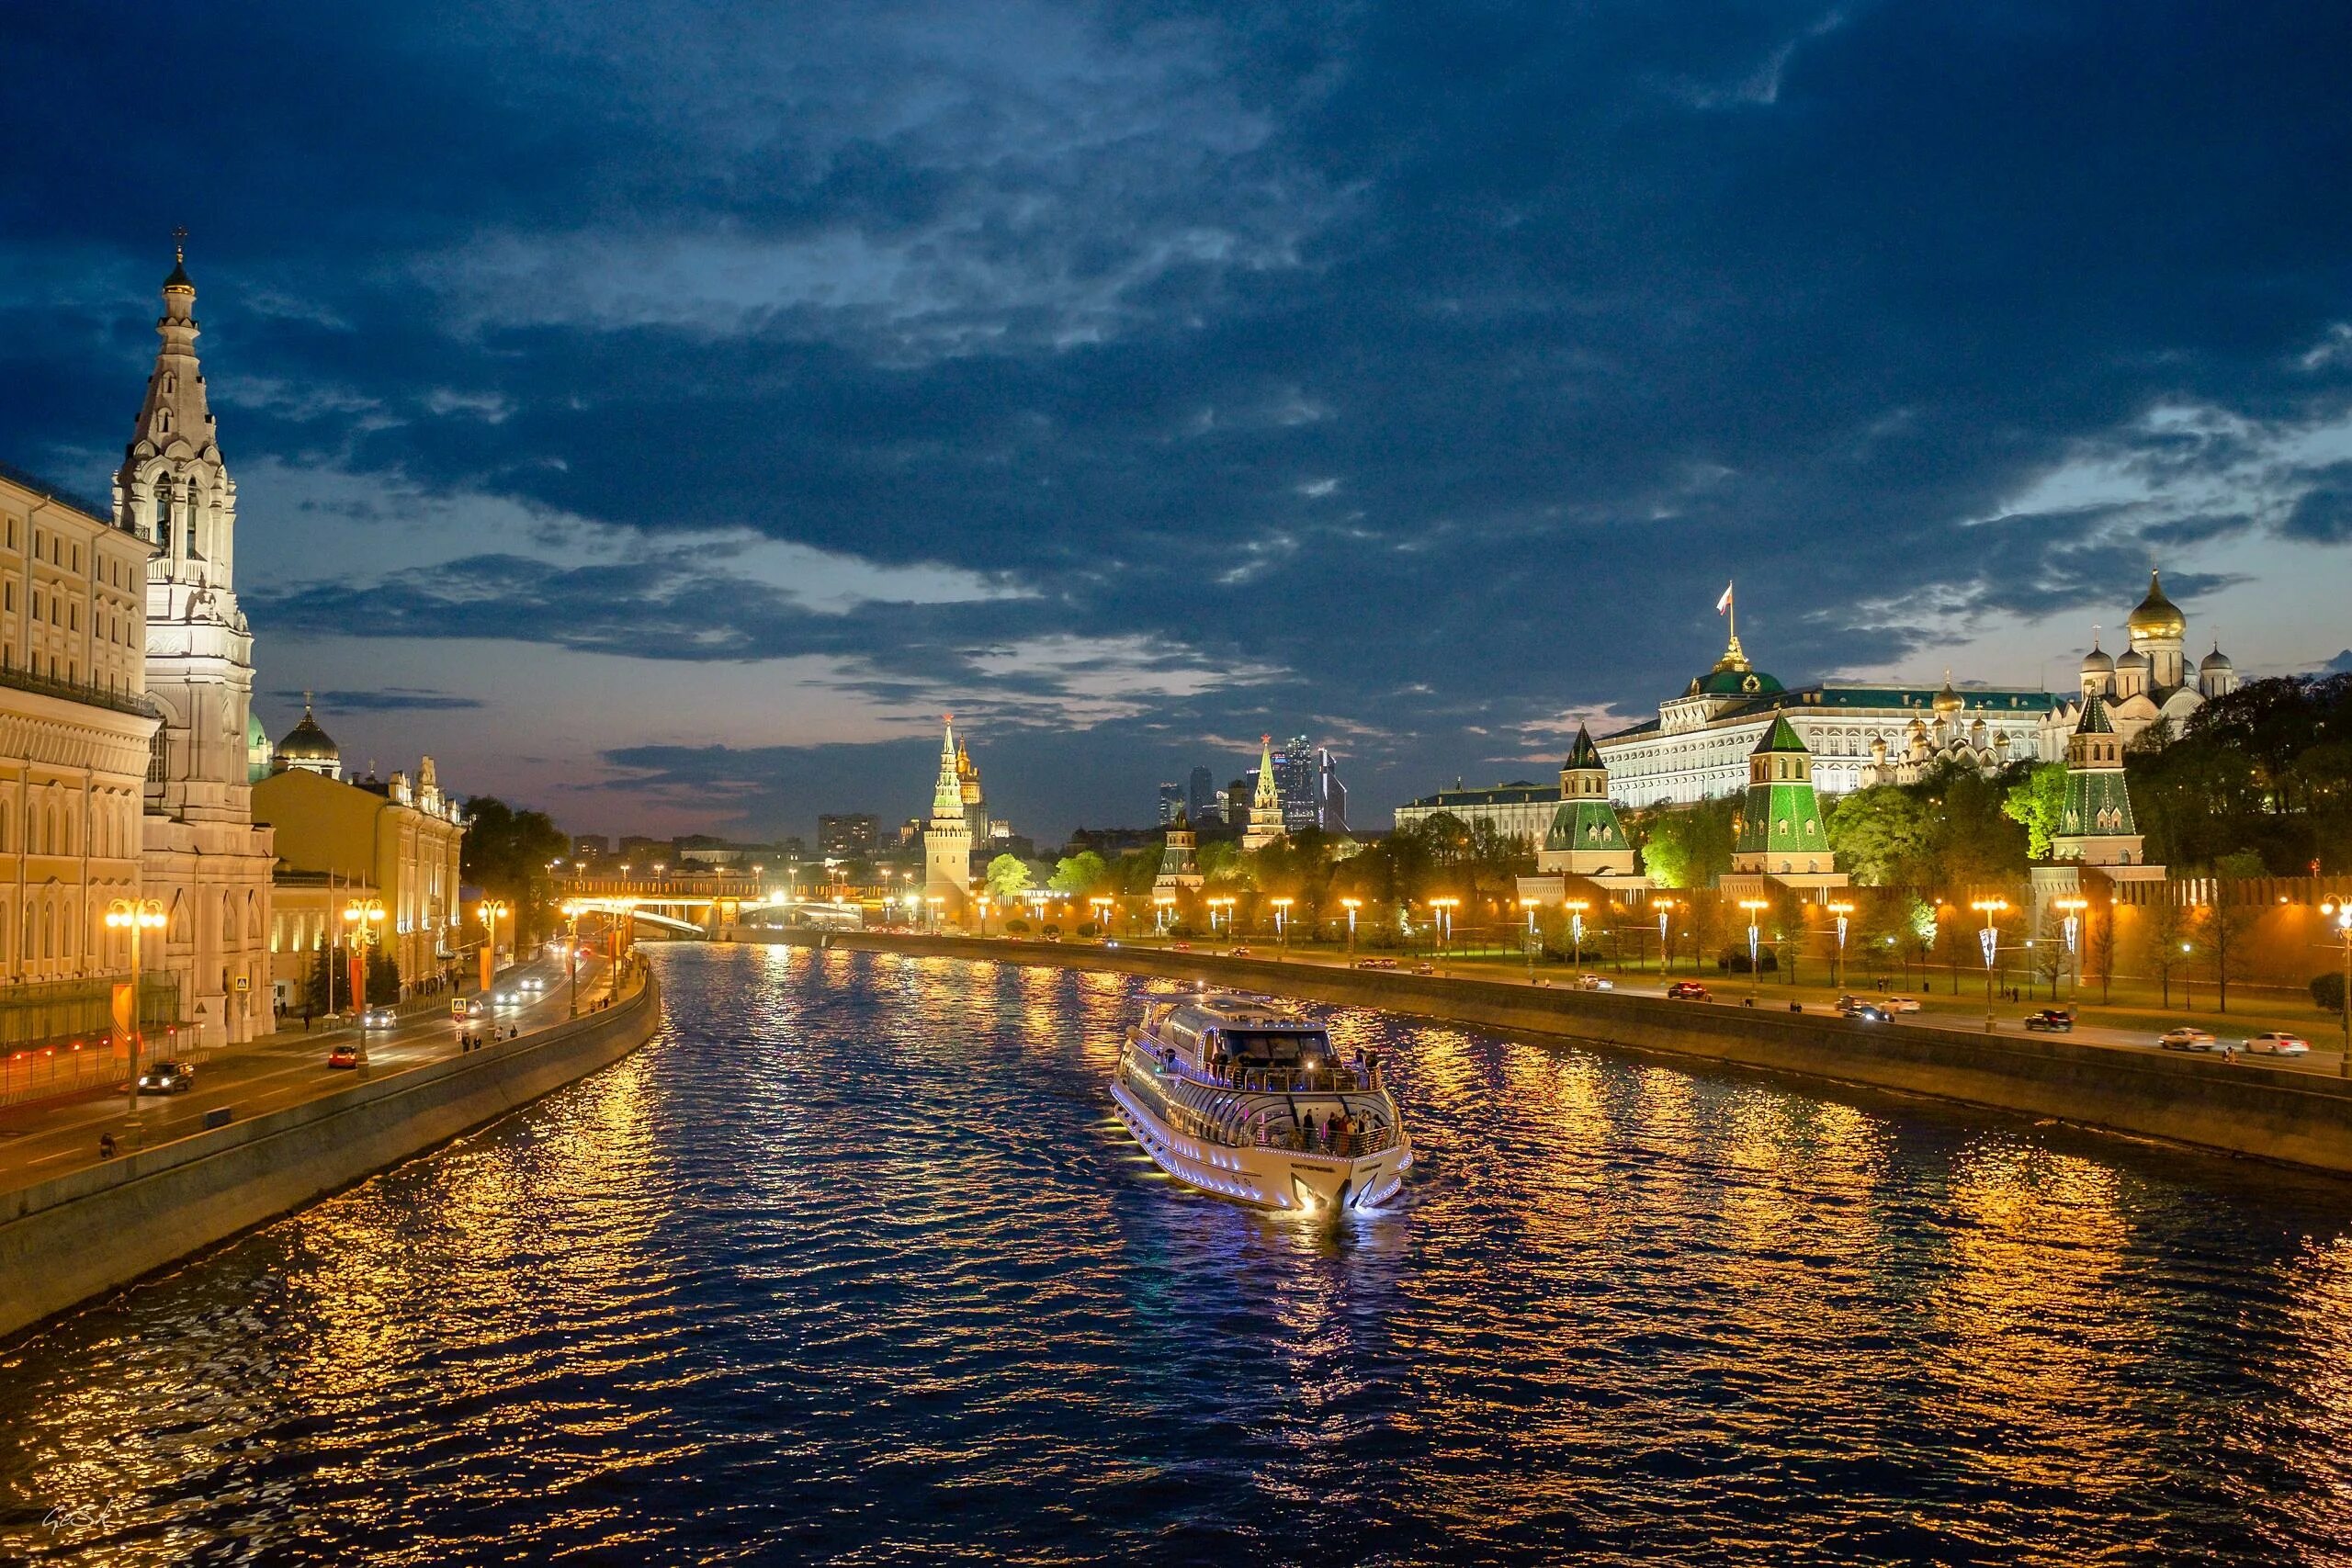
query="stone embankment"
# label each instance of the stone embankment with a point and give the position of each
(92, 1230)
(2262, 1111)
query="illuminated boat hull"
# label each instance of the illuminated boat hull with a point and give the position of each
(1285, 1180)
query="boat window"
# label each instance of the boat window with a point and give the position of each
(1255, 1048)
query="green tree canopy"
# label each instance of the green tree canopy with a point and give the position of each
(1007, 878)
(1080, 874)
(2037, 801)
(507, 854)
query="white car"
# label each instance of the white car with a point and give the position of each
(2277, 1042)
(1595, 983)
(378, 1017)
(532, 983)
(506, 998)
(1898, 1004)
(2189, 1038)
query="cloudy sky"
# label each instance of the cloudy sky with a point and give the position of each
(662, 418)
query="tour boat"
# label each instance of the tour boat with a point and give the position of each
(1243, 1097)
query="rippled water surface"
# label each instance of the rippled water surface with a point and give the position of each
(853, 1265)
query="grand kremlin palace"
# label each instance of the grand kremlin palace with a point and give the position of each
(1860, 735)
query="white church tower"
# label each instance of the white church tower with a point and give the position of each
(202, 856)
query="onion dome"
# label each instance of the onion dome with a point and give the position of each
(2158, 615)
(1948, 700)
(2098, 661)
(307, 745)
(2133, 660)
(2215, 663)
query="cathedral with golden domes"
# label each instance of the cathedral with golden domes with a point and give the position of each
(2150, 683)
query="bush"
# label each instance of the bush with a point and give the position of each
(1049, 931)
(1382, 940)
(2327, 990)
(1016, 927)
(1734, 961)
(1089, 929)
(1181, 929)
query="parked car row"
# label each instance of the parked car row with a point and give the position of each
(2269, 1042)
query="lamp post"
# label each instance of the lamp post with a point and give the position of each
(1576, 907)
(983, 903)
(1841, 912)
(1101, 908)
(1666, 907)
(1990, 938)
(1352, 906)
(136, 916)
(1281, 925)
(571, 958)
(2074, 928)
(1755, 948)
(935, 902)
(1443, 909)
(492, 912)
(1160, 904)
(363, 916)
(2342, 923)
(1530, 942)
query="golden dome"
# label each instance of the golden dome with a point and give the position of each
(2158, 615)
(1948, 700)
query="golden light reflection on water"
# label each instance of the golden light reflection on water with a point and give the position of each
(858, 1249)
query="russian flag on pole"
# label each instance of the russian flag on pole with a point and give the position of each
(1724, 603)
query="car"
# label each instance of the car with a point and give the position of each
(1862, 1012)
(1897, 1004)
(1595, 983)
(468, 1010)
(1689, 991)
(167, 1077)
(1375, 963)
(2277, 1042)
(2056, 1021)
(1238, 953)
(2187, 1037)
(1110, 942)
(1424, 968)
(531, 982)
(378, 1017)
(507, 998)
(1179, 947)
(343, 1056)
(1851, 1006)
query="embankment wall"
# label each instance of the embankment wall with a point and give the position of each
(93, 1230)
(2265, 1112)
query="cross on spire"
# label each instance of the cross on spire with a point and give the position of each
(179, 244)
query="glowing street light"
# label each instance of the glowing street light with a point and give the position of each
(1160, 904)
(1754, 907)
(1990, 939)
(2073, 925)
(1443, 909)
(2342, 921)
(136, 916)
(492, 912)
(1664, 953)
(1576, 907)
(1841, 912)
(1282, 924)
(1352, 906)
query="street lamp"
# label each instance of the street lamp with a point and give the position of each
(1990, 937)
(1445, 909)
(1101, 908)
(136, 916)
(492, 912)
(1666, 907)
(1755, 947)
(1352, 906)
(2074, 928)
(1576, 907)
(1282, 924)
(1841, 912)
(936, 901)
(1529, 943)
(2342, 923)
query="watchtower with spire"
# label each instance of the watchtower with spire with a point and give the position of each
(1266, 807)
(948, 835)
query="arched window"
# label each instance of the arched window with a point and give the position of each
(163, 511)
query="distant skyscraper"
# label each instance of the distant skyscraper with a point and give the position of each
(1172, 802)
(849, 835)
(1202, 801)
(1307, 780)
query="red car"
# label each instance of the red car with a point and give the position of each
(1689, 991)
(343, 1056)
(1181, 947)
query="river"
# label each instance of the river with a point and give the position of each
(853, 1265)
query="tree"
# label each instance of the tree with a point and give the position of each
(2167, 946)
(509, 853)
(2038, 801)
(1007, 878)
(1885, 837)
(1222, 865)
(1685, 846)
(2227, 924)
(1080, 874)
(383, 977)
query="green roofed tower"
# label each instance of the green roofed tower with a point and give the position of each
(1781, 831)
(1585, 838)
(2095, 826)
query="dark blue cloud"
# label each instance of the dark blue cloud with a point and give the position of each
(1445, 360)
(388, 699)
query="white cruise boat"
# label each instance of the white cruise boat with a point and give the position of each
(1242, 1097)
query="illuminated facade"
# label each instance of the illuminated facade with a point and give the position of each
(948, 835)
(74, 733)
(2150, 683)
(1266, 823)
(201, 854)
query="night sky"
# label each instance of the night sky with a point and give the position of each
(663, 414)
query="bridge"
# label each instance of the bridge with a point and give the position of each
(695, 905)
